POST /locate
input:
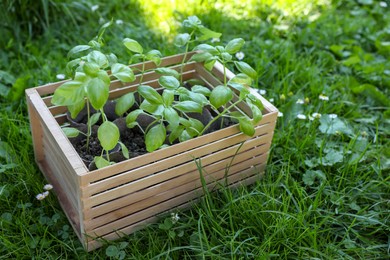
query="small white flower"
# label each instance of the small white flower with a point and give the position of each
(60, 76)
(300, 101)
(119, 22)
(301, 116)
(40, 196)
(48, 187)
(311, 118)
(262, 91)
(382, 4)
(175, 217)
(271, 100)
(316, 115)
(323, 97)
(332, 116)
(94, 8)
(240, 55)
(214, 40)
(46, 193)
(280, 114)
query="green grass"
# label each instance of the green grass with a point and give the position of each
(326, 192)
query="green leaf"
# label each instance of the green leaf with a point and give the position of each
(155, 137)
(373, 92)
(91, 68)
(108, 135)
(171, 116)
(256, 113)
(18, 88)
(332, 157)
(181, 39)
(94, 118)
(112, 58)
(226, 56)
(71, 131)
(112, 251)
(169, 82)
(76, 108)
(124, 103)
(77, 49)
(196, 127)
(246, 69)
(133, 45)
(246, 126)
(168, 72)
(207, 48)
(351, 61)
(188, 106)
(132, 116)
(209, 64)
(122, 72)
(201, 57)
(201, 90)
(168, 97)
(69, 93)
(220, 95)
(155, 56)
(184, 136)
(192, 22)
(101, 162)
(242, 79)
(310, 176)
(175, 133)
(234, 45)
(198, 98)
(330, 125)
(254, 100)
(125, 151)
(207, 34)
(150, 94)
(152, 108)
(97, 92)
(98, 58)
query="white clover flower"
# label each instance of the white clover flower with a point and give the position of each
(280, 114)
(94, 8)
(271, 100)
(301, 116)
(175, 217)
(60, 76)
(46, 193)
(332, 116)
(214, 40)
(300, 101)
(48, 187)
(262, 91)
(40, 196)
(119, 22)
(240, 55)
(383, 4)
(311, 118)
(316, 115)
(323, 97)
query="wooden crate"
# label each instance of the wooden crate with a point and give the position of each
(120, 199)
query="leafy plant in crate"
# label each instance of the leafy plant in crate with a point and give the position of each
(178, 111)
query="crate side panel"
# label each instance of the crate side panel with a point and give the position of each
(175, 186)
(239, 171)
(167, 163)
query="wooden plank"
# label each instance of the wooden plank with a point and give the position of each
(162, 165)
(172, 178)
(35, 125)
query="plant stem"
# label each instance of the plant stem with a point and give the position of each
(219, 115)
(89, 127)
(185, 57)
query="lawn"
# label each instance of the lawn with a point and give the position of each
(324, 64)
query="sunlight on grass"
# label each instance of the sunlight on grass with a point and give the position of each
(161, 14)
